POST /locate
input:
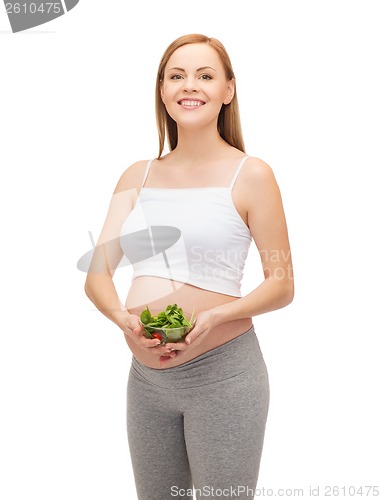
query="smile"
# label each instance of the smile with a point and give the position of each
(190, 103)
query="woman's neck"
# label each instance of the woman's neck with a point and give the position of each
(199, 145)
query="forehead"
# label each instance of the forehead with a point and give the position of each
(193, 56)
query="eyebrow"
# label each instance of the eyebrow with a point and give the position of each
(198, 69)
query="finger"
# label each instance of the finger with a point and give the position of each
(192, 336)
(163, 350)
(133, 324)
(150, 342)
(175, 346)
(133, 331)
(166, 349)
(137, 329)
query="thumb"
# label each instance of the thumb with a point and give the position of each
(137, 328)
(192, 335)
(134, 325)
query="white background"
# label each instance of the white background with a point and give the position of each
(77, 107)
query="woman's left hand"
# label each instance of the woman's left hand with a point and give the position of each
(205, 322)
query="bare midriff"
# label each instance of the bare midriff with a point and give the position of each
(158, 293)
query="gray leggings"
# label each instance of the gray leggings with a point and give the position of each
(200, 424)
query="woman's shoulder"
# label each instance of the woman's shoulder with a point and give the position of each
(255, 170)
(256, 175)
(132, 177)
(256, 167)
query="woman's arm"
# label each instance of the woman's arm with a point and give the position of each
(267, 223)
(101, 291)
(99, 285)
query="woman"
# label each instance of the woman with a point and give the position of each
(196, 410)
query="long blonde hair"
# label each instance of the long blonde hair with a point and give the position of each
(229, 123)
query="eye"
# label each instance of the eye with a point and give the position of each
(175, 77)
(205, 77)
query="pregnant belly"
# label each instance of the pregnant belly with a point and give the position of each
(157, 293)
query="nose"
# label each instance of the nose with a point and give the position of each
(190, 84)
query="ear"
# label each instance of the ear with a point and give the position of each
(230, 91)
(161, 90)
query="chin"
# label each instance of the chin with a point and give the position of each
(195, 123)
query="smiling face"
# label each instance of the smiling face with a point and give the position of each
(195, 87)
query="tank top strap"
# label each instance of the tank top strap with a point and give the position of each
(237, 171)
(146, 172)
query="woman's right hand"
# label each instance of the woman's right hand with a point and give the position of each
(133, 330)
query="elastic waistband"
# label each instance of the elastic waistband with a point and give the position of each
(223, 362)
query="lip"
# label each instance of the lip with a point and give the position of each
(193, 103)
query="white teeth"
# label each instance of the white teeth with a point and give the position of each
(191, 103)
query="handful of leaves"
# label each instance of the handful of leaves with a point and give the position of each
(171, 324)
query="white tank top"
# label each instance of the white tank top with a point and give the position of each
(190, 235)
